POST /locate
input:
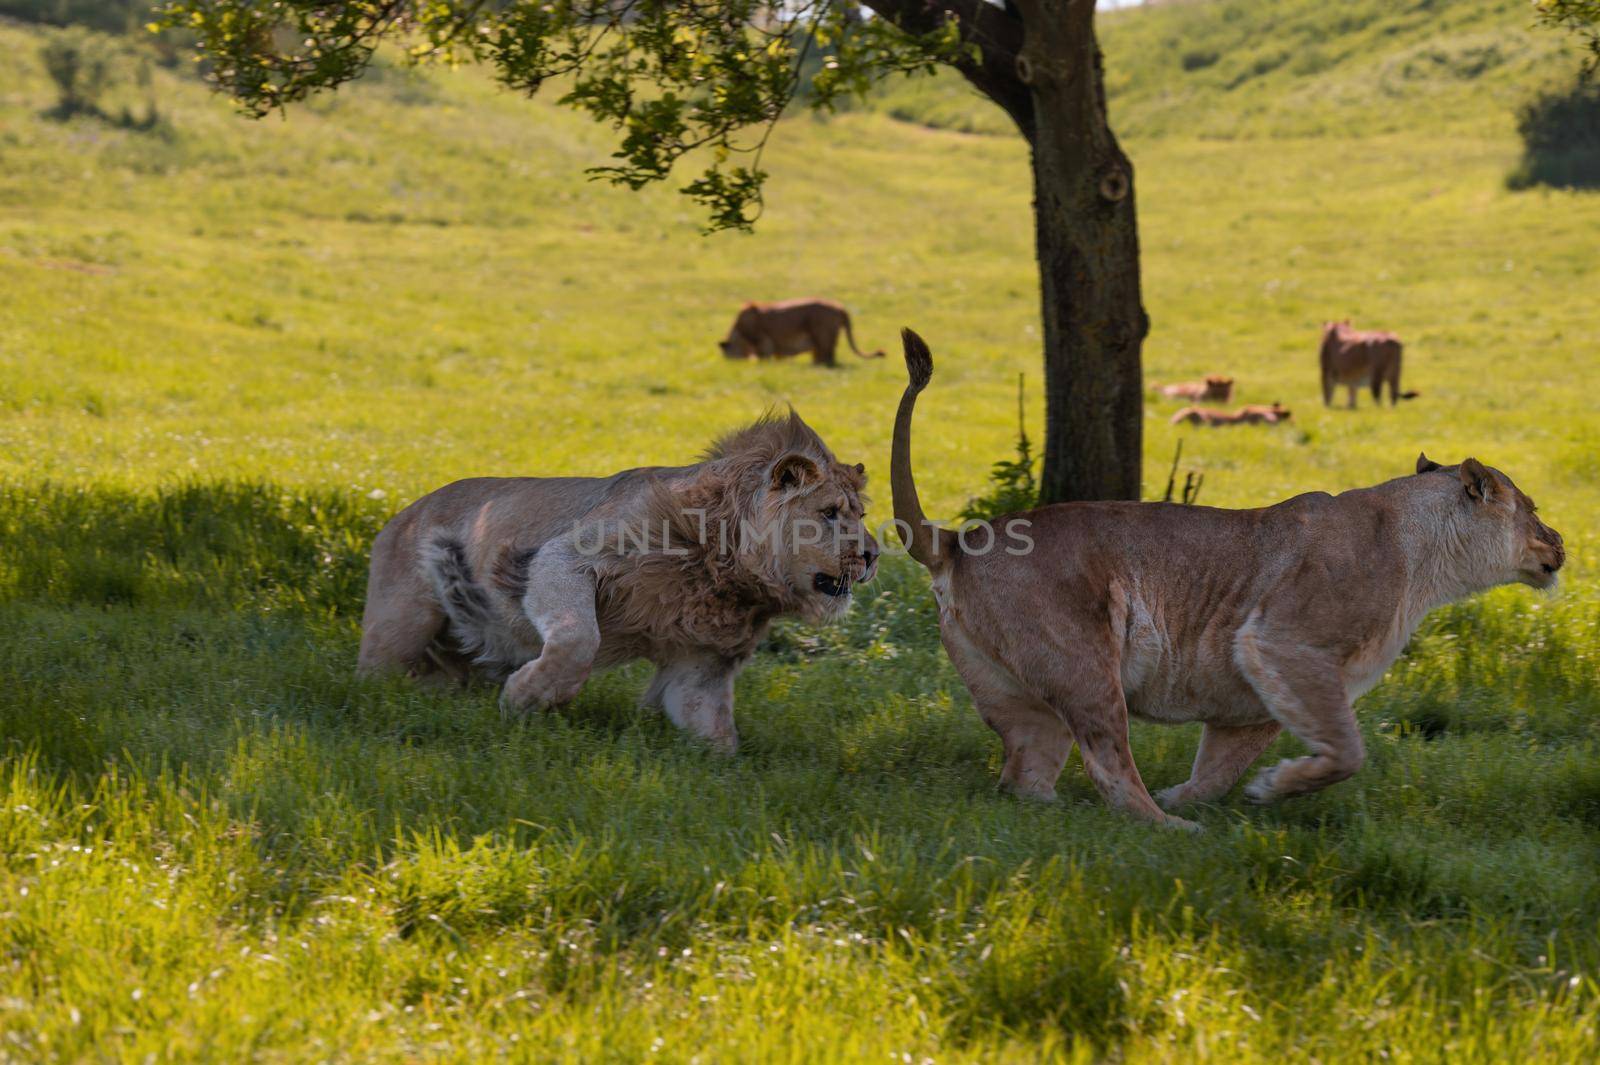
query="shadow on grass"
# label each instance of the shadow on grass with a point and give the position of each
(234, 545)
(1560, 132)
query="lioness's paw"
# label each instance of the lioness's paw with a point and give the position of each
(1264, 788)
(1173, 797)
(1182, 824)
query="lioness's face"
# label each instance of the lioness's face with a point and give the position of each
(1530, 551)
(733, 348)
(825, 547)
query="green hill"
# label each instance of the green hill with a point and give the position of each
(1293, 68)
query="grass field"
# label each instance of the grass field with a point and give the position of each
(230, 350)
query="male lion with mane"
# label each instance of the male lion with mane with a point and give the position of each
(537, 581)
(1251, 621)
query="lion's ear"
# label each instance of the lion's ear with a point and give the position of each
(1478, 482)
(792, 471)
(861, 468)
(1425, 464)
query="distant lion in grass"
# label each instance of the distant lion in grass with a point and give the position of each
(1214, 389)
(537, 581)
(791, 327)
(1250, 414)
(1251, 621)
(1357, 357)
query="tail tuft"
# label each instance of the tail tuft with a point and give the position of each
(877, 353)
(919, 360)
(1410, 395)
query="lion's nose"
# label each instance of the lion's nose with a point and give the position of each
(1557, 547)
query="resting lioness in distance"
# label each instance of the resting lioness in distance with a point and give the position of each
(537, 581)
(1215, 388)
(1355, 357)
(1251, 621)
(1251, 414)
(791, 327)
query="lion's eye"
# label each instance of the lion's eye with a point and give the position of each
(831, 513)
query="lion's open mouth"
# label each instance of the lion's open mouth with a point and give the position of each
(831, 586)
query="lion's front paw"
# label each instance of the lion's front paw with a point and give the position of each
(1264, 788)
(1183, 824)
(531, 688)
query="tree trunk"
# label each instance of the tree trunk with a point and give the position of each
(1088, 249)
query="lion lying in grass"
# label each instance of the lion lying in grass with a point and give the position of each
(538, 581)
(1250, 414)
(1251, 621)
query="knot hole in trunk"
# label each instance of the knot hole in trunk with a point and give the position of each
(1114, 184)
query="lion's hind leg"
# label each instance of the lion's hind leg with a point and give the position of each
(402, 620)
(1083, 683)
(560, 603)
(398, 636)
(1036, 740)
(1225, 752)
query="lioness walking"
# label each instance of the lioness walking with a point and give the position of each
(537, 581)
(791, 327)
(1355, 357)
(1251, 621)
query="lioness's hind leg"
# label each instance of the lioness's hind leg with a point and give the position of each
(1225, 752)
(1102, 733)
(1095, 710)
(1036, 739)
(823, 345)
(560, 602)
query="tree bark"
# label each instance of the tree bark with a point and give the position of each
(1087, 243)
(1039, 60)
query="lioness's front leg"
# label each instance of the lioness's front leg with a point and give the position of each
(1225, 752)
(560, 602)
(1305, 692)
(697, 694)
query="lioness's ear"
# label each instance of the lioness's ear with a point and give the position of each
(792, 471)
(1425, 464)
(1477, 480)
(861, 468)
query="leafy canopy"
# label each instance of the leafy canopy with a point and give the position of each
(669, 77)
(1581, 17)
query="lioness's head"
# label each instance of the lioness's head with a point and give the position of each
(735, 347)
(1218, 387)
(800, 513)
(1499, 526)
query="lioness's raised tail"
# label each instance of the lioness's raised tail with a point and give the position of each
(928, 544)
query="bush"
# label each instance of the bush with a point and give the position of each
(1560, 133)
(109, 16)
(1012, 487)
(83, 66)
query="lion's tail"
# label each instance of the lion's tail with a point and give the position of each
(465, 602)
(850, 335)
(928, 544)
(1410, 395)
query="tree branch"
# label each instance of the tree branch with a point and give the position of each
(997, 34)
